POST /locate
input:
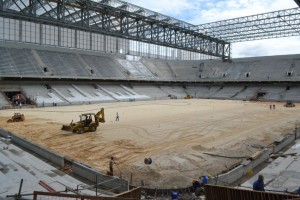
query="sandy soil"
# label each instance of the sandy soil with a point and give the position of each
(174, 133)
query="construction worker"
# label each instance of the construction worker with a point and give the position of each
(259, 184)
(204, 180)
(117, 117)
(111, 165)
(197, 187)
(174, 195)
(88, 120)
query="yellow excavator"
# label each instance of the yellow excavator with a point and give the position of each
(18, 117)
(88, 123)
(188, 97)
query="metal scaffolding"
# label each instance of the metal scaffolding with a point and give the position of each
(283, 23)
(119, 19)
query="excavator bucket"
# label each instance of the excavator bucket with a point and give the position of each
(9, 121)
(67, 127)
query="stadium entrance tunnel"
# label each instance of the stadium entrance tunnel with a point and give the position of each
(258, 96)
(15, 97)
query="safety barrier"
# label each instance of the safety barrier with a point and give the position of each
(165, 192)
(134, 194)
(213, 192)
(103, 181)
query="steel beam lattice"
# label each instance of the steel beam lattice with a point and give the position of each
(120, 19)
(283, 23)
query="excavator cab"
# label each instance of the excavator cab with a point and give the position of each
(88, 122)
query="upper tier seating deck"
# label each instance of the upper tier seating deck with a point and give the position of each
(63, 64)
(104, 67)
(89, 65)
(18, 62)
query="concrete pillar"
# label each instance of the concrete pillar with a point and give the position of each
(91, 41)
(59, 36)
(20, 30)
(76, 39)
(41, 33)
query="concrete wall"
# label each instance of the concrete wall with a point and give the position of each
(104, 181)
(284, 143)
(49, 155)
(241, 170)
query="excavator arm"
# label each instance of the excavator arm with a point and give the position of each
(99, 117)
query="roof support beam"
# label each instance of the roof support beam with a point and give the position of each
(123, 20)
(282, 23)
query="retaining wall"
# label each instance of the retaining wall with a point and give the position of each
(104, 181)
(285, 142)
(238, 172)
(241, 170)
(49, 155)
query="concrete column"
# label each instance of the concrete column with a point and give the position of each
(91, 41)
(104, 42)
(76, 39)
(59, 36)
(20, 30)
(117, 45)
(41, 33)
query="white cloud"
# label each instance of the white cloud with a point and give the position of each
(278, 46)
(204, 11)
(223, 10)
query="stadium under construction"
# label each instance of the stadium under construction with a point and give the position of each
(171, 92)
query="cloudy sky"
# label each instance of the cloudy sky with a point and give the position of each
(204, 11)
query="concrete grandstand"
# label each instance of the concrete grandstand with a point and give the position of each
(83, 74)
(64, 63)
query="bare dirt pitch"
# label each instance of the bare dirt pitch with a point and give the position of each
(174, 133)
